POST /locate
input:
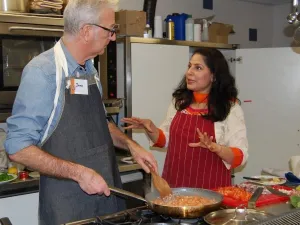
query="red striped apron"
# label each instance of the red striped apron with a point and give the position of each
(193, 167)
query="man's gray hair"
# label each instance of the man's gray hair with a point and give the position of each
(80, 12)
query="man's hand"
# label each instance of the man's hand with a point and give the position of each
(92, 183)
(141, 155)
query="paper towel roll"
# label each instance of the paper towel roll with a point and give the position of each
(295, 165)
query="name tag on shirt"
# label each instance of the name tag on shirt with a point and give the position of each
(79, 86)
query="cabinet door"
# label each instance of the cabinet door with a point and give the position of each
(269, 85)
(22, 209)
(156, 72)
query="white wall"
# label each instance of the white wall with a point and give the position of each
(269, 20)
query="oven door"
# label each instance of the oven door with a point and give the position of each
(15, 53)
(19, 43)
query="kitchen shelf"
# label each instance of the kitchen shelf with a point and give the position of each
(175, 42)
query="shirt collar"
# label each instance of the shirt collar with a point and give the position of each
(72, 64)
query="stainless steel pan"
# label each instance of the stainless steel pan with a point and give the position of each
(178, 212)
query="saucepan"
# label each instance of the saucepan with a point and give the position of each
(186, 212)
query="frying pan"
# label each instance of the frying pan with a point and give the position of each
(189, 212)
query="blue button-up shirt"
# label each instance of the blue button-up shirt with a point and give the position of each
(35, 100)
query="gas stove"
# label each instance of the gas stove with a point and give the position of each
(138, 216)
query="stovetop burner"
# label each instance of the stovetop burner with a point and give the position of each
(140, 216)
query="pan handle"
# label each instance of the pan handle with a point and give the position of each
(122, 192)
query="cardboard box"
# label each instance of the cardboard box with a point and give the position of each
(132, 23)
(218, 32)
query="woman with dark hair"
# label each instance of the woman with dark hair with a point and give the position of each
(204, 130)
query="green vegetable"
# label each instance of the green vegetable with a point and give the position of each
(295, 200)
(5, 177)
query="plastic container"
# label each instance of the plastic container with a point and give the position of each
(189, 29)
(197, 32)
(179, 23)
(158, 27)
(205, 36)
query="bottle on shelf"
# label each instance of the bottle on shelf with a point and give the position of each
(189, 28)
(147, 31)
(205, 36)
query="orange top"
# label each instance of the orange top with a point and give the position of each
(200, 97)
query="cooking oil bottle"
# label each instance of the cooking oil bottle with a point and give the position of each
(171, 30)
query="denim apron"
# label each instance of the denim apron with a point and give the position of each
(81, 136)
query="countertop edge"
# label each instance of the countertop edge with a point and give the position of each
(19, 187)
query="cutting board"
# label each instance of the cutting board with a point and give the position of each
(265, 199)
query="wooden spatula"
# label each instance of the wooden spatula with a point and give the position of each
(160, 183)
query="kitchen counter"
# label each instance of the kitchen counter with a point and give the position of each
(31, 185)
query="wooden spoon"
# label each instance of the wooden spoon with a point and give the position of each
(160, 183)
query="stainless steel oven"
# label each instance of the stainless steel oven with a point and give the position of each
(22, 37)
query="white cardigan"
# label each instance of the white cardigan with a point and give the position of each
(231, 132)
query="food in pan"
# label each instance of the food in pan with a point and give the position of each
(181, 201)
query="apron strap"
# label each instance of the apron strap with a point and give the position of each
(61, 65)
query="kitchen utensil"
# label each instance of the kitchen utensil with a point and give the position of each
(255, 196)
(160, 183)
(266, 180)
(177, 212)
(292, 17)
(238, 216)
(262, 179)
(14, 5)
(276, 192)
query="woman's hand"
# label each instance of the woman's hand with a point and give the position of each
(137, 123)
(206, 142)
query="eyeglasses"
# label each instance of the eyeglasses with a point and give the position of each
(112, 31)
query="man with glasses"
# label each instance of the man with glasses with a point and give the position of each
(59, 127)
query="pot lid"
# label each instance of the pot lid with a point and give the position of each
(235, 216)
